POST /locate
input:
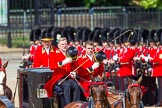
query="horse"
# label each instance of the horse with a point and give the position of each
(133, 94)
(98, 99)
(5, 91)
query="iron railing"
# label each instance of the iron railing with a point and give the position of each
(21, 21)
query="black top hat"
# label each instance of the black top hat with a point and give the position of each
(72, 52)
(45, 36)
(99, 56)
(36, 34)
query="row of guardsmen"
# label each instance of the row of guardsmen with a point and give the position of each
(128, 52)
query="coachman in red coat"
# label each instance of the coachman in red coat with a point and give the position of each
(89, 68)
(62, 66)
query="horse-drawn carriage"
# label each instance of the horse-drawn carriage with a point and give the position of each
(32, 94)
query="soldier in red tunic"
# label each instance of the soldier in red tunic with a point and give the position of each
(62, 66)
(35, 39)
(125, 60)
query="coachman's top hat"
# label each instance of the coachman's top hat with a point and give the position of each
(99, 56)
(72, 52)
(46, 36)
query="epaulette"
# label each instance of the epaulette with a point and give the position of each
(43, 50)
(160, 56)
(80, 56)
(57, 51)
(51, 49)
(84, 56)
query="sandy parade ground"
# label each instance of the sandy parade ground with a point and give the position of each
(14, 57)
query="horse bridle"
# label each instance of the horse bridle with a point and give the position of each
(96, 100)
(129, 101)
(3, 84)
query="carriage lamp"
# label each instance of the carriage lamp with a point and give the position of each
(41, 92)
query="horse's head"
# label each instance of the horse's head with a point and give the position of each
(3, 78)
(99, 95)
(134, 93)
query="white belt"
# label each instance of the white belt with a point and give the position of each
(123, 63)
(155, 63)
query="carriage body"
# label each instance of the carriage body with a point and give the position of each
(30, 88)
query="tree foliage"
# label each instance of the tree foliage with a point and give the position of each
(151, 4)
(90, 3)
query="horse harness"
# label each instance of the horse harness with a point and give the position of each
(127, 94)
(4, 80)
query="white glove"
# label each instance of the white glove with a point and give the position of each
(26, 56)
(105, 61)
(73, 74)
(148, 58)
(136, 58)
(150, 70)
(142, 56)
(115, 57)
(66, 61)
(95, 65)
(111, 61)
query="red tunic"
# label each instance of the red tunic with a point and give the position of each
(126, 65)
(156, 54)
(42, 59)
(59, 72)
(84, 62)
(32, 52)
